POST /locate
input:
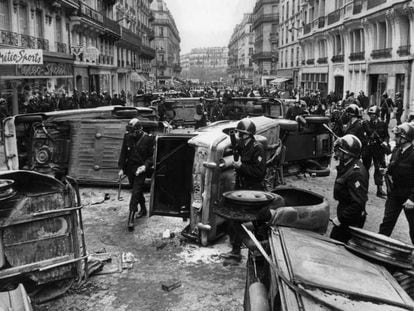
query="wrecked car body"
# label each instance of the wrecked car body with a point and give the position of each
(82, 143)
(191, 171)
(41, 229)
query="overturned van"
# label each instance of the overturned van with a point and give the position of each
(82, 143)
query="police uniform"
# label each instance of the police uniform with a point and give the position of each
(351, 192)
(401, 170)
(377, 134)
(252, 171)
(135, 152)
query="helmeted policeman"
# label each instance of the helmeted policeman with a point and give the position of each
(351, 187)
(251, 167)
(377, 147)
(250, 172)
(401, 184)
(135, 160)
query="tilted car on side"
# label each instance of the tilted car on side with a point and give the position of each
(82, 143)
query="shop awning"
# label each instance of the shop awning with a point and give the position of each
(136, 77)
(280, 80)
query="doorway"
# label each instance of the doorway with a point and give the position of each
(339, 86)
(377, 86)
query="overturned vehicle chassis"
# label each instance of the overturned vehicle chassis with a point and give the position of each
(41, 230)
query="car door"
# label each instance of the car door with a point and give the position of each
(171, 185)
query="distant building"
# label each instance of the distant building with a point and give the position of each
(166, 66)
(206, 64)
(265, 26)
(290, 13)
(241, 46)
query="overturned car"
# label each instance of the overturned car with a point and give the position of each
(41, 230)
(82, 143)
(192, 171)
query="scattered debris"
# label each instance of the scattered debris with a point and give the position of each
(170, 285)
(128, 260)
(166, 234)
(111, 262)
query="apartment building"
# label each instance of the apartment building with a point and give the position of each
(87, 45)
(288, 33)
(359, 45)
(265, 57)
(166, 65)
(241, 47)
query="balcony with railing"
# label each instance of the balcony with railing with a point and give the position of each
(265, 18)
(161, 64)
(24, 41)
(338, 58)
(322, 60)
(273, 36)
(404, 50)
(61, 47)
(89, 13)
(310, 61)
(334, 16)
(307, 28)
(357, 7)
(148, 51)
(112, 26)
(262, 56)
(131, 38)
(373, 3)
(177, 68)
(381, 53)
(354, 56)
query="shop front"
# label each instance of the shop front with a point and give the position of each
(390, 78)
(19, 82)
(313, 80)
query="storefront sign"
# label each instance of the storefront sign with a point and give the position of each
(48, 69)
(21, 57)
(91, 54)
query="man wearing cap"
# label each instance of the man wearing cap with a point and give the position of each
(350, 189)
(250, 172)
(135, 160)
(400, 185)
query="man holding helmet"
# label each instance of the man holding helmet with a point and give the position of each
(135, 160)
(401, 181)
(377, 146)
(250, 172)
(351, 187)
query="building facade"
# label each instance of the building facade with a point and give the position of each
(41, 26)
(206, 64)
(166, 65)
(88, 45)
(359, 45)
(241, 47)
(290, 29)
(265, 27)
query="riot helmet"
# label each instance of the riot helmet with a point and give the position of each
(349, 144)
(353, 110)
(246, 126)
(374, 110)
(134, 126)
(405, 131)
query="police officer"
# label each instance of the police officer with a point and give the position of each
(400, 107)
(135, 160)
(401, 184)
(377, 147)
(250, 172)
(350, 189)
